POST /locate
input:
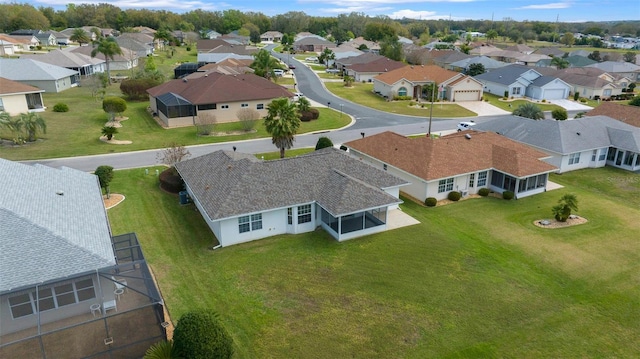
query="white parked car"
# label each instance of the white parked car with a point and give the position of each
(311, 59)
(297, 96)
(278, 72)
(465, 125)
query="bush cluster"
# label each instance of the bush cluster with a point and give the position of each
(60, 107)
(430, 202)
(483, 192)
(136, 89)
(200, 335)
(323, 142)
(508, 195)
(170, 181)
(311, 114)
(402, 98)
(454, 196)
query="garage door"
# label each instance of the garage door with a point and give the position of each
(554, 94)
(467, 95)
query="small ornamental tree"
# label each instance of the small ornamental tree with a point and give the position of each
(113, 105)
(248, 118)
(200, 335)
(109, 131)
(323, 142)
(105, 175)
(559, 114)
(566, 204)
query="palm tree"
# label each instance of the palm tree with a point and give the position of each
(109, 131)
(79, 36)
(559, 62)
(282, 123)
(566, 204)
(529, 110)
(109, 48)
(348, 80)
(303, 104)
(264, 64)
(5, 120)
(32, 123)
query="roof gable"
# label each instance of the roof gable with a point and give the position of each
(14, 69)
(9, 87)
(417, 74)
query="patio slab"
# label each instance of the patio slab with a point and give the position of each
(397, 219)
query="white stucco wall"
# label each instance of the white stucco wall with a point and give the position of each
(15, 104)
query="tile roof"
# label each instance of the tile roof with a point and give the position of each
(14, 69)
(221, 88)
(13, 87)
(229, 184)
(625, 113)
(52, 224)
(423, 73)
(565, 137)
(451, 155)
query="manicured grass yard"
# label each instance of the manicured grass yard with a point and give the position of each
(474, 279)
(362, 93)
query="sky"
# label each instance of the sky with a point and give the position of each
(519, 10)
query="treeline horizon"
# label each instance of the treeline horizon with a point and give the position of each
(16, 16)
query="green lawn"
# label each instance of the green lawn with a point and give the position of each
(362, 93)
(458, 285)
(511, 105)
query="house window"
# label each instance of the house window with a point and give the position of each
(482, 179)
(445, 185)
(260, 106)
(244, 105)
(515, 91)
(224, 107)
(250, 223)
(594, 155)
(603, 154)
(304, 214)
(628, 158)
(606, 92)
(402, 91)
(209, 106)
(472, 180)
(574, 158)
(50, 298)
(289, 216)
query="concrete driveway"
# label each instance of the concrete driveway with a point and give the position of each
(571, 105)
(482, 108)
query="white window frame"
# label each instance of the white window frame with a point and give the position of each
(574, 158)
(482, 179)
(304, 213)
(250, 223)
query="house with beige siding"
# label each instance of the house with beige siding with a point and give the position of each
(17, 98)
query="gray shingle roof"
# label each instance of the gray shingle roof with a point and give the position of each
(32, 70)
(565, 137)
(44, 234)
(230, 184)
(504, 75)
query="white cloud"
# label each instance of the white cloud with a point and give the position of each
(556, 5)
(143, 4)
(412, 14)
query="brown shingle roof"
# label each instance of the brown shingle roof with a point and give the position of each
(10, 87)
(452, 155)
(624, 113)
(425, 73)
(220, 88)
(380, 65)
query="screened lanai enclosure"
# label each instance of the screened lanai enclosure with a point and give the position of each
(172, 105)
(112, 312)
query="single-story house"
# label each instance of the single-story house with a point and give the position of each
(312, 44)
(210, 34)
(47, 77)
(462, 162)
(127, 61)
(622, 68)
(574, 61)
(142, 44)
(488, 64)
(244, 199)
(271, 36)
(85, 65)
(17, 98)
(6, 48)
(365, 72)
(344, 62)
(87, 30)
(180, 102)
(589, 82)
(20, 43)
(413, 81)
(523, 81)
(550, 51)
(586, 142)
(68, 288)
(361, 44)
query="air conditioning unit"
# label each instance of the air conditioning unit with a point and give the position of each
(464, 193)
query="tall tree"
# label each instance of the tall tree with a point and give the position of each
(568, 39)
(282, 123)
(108, 47)
(79, 36)
(263, 64)
(529, 110)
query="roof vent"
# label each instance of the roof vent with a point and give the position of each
(578, 133)
(184, 79)
(467, 136)
(60, 193)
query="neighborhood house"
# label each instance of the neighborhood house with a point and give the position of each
(243, 199)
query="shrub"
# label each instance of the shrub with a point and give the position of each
(200, 335)
(566, 204)
(635, 101)
(431, 201)
(483, 192)
(60, 107)
(583, 99)
(323, 142)
(508, 195)
(576, 96)
(113, 105)
(109, 131)
(559, 114)
(312, 114)
(402, 98)
(188, 48)
(170, 181)
(136, 89)
(454, 196)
